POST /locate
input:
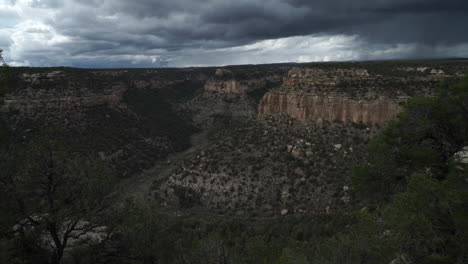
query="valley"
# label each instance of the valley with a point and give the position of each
(244, 140)
(239, 164)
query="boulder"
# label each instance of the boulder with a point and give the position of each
(223, 72)
(299, 171)
(338, 146)
(297, 153)
(462, 155)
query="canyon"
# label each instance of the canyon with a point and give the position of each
(278, 139)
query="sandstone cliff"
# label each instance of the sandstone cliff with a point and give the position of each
(331, 108)
(348, 95)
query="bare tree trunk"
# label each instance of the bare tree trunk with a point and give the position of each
(59, 246)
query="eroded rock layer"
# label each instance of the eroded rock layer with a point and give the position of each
(348, 95)
(338, 108)
(61, 91)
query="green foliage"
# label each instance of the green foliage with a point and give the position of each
(418, 190)
(423, 219)
(210, 249)
(359, 125)
(259, 250)
(293, 255)
(426, 134)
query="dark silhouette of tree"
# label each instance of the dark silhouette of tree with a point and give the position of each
(52, 200)
(1, 57)
(5, 75)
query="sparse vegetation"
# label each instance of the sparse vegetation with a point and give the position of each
(262, 190)
(262, 157)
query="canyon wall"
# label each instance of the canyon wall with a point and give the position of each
(232, 94)
(338, 108)
(349, 92)
(63, 102)
(228, 82)
(54, 92)
(348, 95)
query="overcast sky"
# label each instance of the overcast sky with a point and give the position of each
(155, 33)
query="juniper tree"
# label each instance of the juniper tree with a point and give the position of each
(52, 200)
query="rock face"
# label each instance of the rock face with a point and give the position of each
(348, 95)
(232, 95)
(232, 82)
(234, 86)
(57, 91)
(337, 108)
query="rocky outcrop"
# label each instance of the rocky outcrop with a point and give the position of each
(231, 95)
(44, 101)
(234, 86)
(331, 108)
(348, 95)
(462, 156)
(229, 82)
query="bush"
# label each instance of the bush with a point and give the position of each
(419, 192)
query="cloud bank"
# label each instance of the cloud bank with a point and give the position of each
(148, 33)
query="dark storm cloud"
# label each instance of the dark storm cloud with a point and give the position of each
(145, 27)
(178, 23)
(46, 3)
